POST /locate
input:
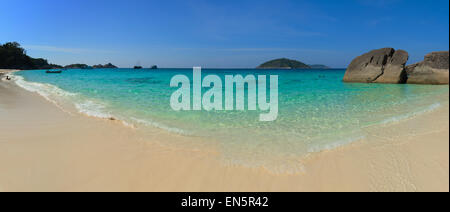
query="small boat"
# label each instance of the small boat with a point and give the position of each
(53, 72)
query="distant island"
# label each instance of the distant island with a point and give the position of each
(285, 63)
(77, 66)
(84, 66)
(319, 66)
(109, 65)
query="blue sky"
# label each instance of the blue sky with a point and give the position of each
(220, 34)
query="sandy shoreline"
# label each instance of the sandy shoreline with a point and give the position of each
(4, 72)
(45, 149)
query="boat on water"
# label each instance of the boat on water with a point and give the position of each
(54, 72)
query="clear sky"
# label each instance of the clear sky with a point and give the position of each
(221, 34)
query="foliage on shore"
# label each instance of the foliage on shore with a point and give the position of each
(13, 56)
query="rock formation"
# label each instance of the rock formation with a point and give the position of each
(433, 70)
(378, 66)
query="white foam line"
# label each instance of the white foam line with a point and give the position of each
(43, 90)
(160, 126)
(407, 116)
(91, 108)
(395, 119)
(334, 145)
(86, 107)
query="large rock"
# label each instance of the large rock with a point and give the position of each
(433, 70)
(378, 66)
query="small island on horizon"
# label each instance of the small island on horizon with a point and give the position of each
(284, 63)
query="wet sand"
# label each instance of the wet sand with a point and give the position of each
(43, 148)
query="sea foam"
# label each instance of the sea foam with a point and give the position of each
(410, 115)
(89, 107)
(55, 95)
(161, 126)
(45, 90)
(93, 109)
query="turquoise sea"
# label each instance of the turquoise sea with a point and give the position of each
(317, 111)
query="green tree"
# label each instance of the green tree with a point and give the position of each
(13, 56)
